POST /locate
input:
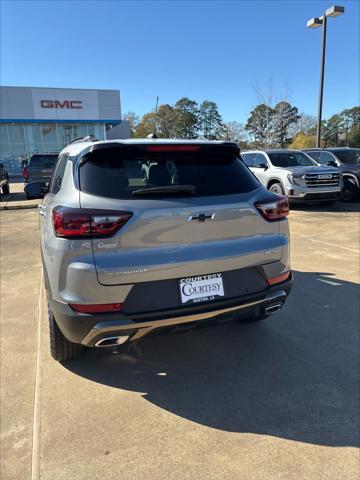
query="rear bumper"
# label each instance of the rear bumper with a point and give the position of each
(90, 329)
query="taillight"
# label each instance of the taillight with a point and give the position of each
(97, 308)
(25, 173)
(279, 279)
(83, 222)
(173, 148)
(275, 209)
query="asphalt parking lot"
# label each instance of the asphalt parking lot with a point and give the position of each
(276, 400)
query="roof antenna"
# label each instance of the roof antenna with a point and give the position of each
(153, 135)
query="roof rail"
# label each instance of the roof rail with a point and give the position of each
(88, 138)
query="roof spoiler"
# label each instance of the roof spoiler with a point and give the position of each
(233, 146)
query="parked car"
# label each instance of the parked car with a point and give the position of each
(196, 239)
(39, 169)
(4, 180)
(348, 161)
(294, 174)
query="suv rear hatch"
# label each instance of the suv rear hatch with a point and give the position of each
(192, 211)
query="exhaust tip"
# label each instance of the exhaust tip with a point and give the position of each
(112, 341)
(273, 308)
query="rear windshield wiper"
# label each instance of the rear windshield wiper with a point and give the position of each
(172, 189)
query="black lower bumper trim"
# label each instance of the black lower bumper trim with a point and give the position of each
(77, 327)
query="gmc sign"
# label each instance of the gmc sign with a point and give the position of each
(61, 104)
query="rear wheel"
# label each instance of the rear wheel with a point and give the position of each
(276, 188)
(6, 189)
(350, 191)
(60, 347)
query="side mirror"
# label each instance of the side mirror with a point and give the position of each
(332, 163)
(36, 189)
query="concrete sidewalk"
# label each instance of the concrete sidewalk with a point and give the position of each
(17, 199)
(20, 287)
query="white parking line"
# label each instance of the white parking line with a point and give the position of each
(35, 456)
(354, 250)
(335, 284)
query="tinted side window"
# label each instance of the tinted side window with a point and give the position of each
(259, 160)
(248, 158)
(56, 179)
(325, 158)
(314, 155)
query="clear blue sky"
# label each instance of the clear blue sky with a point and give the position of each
(215, 50)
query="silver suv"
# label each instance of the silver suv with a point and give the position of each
(294, 174)
(127, 249)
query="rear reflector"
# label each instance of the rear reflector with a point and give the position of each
(97, 308)
(82, 222)
(275, 209)
(173, 148)
(279, 278)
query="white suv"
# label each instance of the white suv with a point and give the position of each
(295, 174)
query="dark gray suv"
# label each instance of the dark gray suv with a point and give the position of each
(127, 249)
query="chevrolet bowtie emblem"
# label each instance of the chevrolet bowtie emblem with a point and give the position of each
(202, 217)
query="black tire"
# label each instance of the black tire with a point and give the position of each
(60, 347)
(6, 189)
(276, 188)
(350, 191)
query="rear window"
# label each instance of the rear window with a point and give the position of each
(120, 172)
(293, 159)
(43, 161)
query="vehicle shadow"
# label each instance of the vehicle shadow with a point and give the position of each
(293, 376)
(13, 197)
(339, 206)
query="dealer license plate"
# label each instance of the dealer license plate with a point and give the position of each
(202, 288)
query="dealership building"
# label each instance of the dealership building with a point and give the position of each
(37, 120)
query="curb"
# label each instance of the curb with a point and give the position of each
(18, 207)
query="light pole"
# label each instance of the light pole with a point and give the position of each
(333, 11)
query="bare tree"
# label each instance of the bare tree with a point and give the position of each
(270, 95)
(267, 97)
(306, 124)
(234, 131)
(133, 120)
(271, 119)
